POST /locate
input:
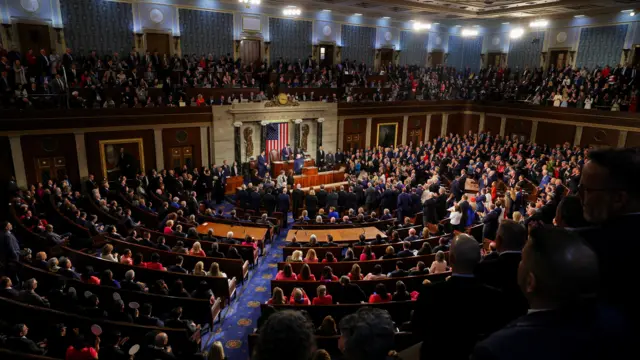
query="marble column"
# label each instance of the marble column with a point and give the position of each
(622, 138)
(534, 131)
(405, 128)
(445, 122)
(18, 161)
(319, 132)
(204, 146)
(296, 135)
(427, 129)
(81, 152)
(237, 142)
(503, 125)
(263, 137)
(367, 134)
(481, 126)
(578, 136)
(157, 140)
(340, 134)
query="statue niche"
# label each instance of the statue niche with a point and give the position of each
(305, 136)
(248, 142)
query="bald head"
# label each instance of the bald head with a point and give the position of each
(465, 253)
(161, 340)
(556, 268)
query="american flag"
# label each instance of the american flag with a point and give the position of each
(277, 137)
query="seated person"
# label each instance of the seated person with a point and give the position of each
(323, 298)
(380, 295)
(329, 258)
(278, 297)
(299, 297)
(286, 273)
(327, 274)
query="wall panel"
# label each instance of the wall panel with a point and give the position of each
(36, 147)
(206, 32)
(93, 150)
(104, 26)
(600, 46)
(492, 124)
(414, 48)
(525, 51)
(599, 137)
(290, 39)
(435, 127)
(552, 134)
(181, 137)
(358, 43)
(518, 126)
(355, 127)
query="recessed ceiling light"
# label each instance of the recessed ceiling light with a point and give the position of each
(412, 21)
(326, 10)
(627, 11)
(578, 16)
(357, 14)
(386, 17)
(436, 23)
(458, 25)
(476, 25)
(506, 23)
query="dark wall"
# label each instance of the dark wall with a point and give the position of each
(600, 137)
(386, 120)
(36, 147)
(435, 127)
(463, 123)
(553, 134)
(518, 126)
(492, 124)
(6, 160)
(93, 150)
(633, 139)
(417, 124)
(172, 138)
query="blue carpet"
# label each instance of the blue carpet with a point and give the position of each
(240, 319)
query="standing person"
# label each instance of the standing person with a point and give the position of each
(286, 335)
(262, 164)
(297, 197)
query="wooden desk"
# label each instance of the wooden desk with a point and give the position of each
(325, 177)
(232, 183)
(239, 231)
(277, 166)
(339, 235)
(311, 170)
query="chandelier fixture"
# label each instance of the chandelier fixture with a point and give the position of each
(248, 3)
(291, 11)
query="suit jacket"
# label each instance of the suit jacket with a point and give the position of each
(31, 298)
(332, 199)
(429, 211)
(502, 273)
(349, 294)
(435, 328)
(320, 157)
(575, 332)
(283, 203)
(491, 225)
(9, 293)
(23, 345)
(322, 198)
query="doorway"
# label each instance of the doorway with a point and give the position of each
(437, 58)
(493, 59)
(326, 55)
(34, 37)
(558, 58)
(353, 141)
(386, 57)
(636, 55)
(415, 136)
(181, 156)
(158, 42)
(50, 169)
(250, 52)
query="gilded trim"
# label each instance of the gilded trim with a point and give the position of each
(103, 159)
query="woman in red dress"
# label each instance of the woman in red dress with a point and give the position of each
(633, 104)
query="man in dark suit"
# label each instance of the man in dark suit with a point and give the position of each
(404, 205)
(20, 343)
(283, 202)
(178, 266)
(255, 201)
(269, 202)
(413, 236)
(298, 199)
(332, 199)
(127, 222)
(559, 276)
(90, 184)
(6, 289)
(349, 293)
(342, 199)
(298, 164)
(286, 152)
(399, 271)
(436, 328)
(322, 197)
(320, 161)
(490, 222)
(262, 164)
(215, 252)
(44, 66)
(502, 273)
(9, 247)
(29, 296)
(352, 200)
(406, 250)
(145, 317)
(429, 213)
(243, 197)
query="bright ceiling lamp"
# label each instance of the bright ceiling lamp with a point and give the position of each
(291, 11)
(469, 32)
(248, 3)
(539, 23)
(516, 33)
(421, 26)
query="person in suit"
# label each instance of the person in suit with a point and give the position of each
(333, 198)
(502, 273)
(262, 164)
(9, 246)
(19, 342)
(298, 198)
(322, 197)
(429, 213)
(255, 201)
(298, 164)
(7, 290)
(311, 203)
(320, 157)
(413, 236)
(269, 201)
(283, 201)
(466, 322)
(370, 198)
(145, 317)
(399, 271)
(404, 205)
(286, 152)
(29, 296)
(406, 249)
(90, 184)
(329, 160)
(349, 293)
(490, 222)
(351, 201)
(53, 238)
(559, 277)
(178, 266)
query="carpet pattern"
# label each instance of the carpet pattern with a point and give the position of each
(240, 319)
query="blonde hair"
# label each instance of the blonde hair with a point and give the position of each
(214, 269)
(169, 223)
(517, 216)
(278, 296)
(440, 256)
(296, 256)
(199, 268)
(107, 249)
(355, 272)
(216, 352)
(311, 255)
(196, 247)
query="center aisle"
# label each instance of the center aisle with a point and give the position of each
(241, 318)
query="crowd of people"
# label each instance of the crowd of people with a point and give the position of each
(551, 284)
(48, 80)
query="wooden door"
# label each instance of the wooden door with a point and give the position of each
(181, 156)
(415, 136)
(326, 55)
(386, 57)
(494, 59)
(250, 51)
(354, 141)
(50, 169)
(34, 37)
(158, 42)
(636, 55)
(559, 58)
(437, 58)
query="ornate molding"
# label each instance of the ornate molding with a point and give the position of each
(237, 124)
(320, 120)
